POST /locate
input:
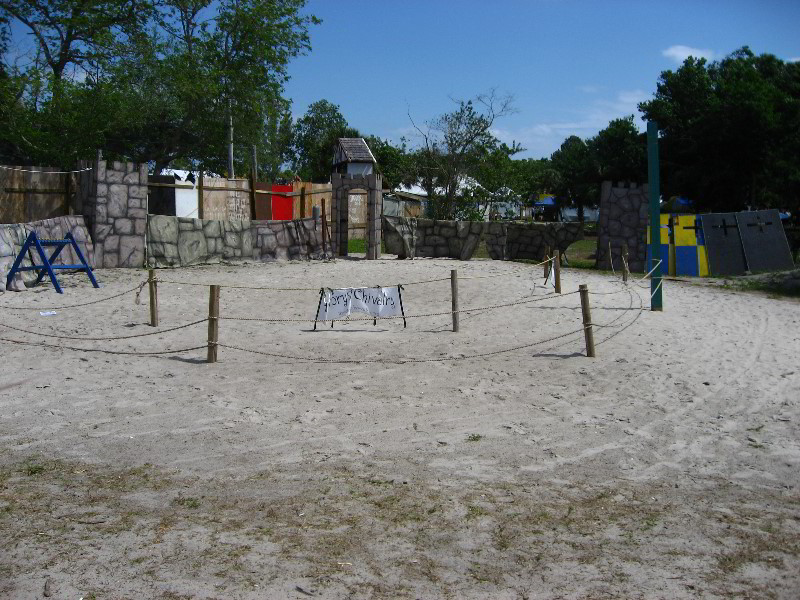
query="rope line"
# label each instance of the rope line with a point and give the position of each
(138, 286)
(103, 339)
(35, 171)
(238, 287)
(103, 350)
(435, 314)
(402, 361)
(514, 273)
(658, 287)
(624, 327)
(646, 275)
(622, 289)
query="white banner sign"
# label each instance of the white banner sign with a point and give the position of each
(336, 305)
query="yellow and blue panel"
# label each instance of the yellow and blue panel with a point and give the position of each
(667, 249)
(690, 247)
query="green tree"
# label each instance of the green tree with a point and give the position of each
(165, 90)
(577, 176)
(728, 131)
(453, 145)
(81, 33)
(620, 152)
(395, 163)
(499, 175)
(314, 140)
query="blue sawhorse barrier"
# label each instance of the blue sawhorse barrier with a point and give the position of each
(47, 266)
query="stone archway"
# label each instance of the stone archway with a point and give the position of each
(341, 185)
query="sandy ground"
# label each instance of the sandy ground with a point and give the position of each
(667, 467)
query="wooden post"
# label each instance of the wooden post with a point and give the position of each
(303, 202)
(200, 194)
(587, 320)
(152, 283)
(454, 294)
(324, 229)
(557, 268)
(253, 190)
(213, 323)
(69, 209)
(624, 262)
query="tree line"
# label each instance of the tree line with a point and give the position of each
(163, 81)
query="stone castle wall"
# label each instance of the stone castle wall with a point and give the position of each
(180, 241)
(116, 212)
(531, 241)
(623, 220)
(409, 238)
(13, 236)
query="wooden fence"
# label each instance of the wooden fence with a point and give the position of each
(35, 193)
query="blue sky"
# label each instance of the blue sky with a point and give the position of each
(571, 65)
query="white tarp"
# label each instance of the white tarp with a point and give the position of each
(336, 305)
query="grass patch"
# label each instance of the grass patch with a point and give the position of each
(360, 246)
(188, 502)
(475, 512)
(773, 287)
(581, 254)
(33, 469)
(474, 437)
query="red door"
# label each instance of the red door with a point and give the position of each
(282, 205)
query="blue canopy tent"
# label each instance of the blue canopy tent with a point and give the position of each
(545, 209)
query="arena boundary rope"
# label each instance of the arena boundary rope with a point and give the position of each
(214, 318)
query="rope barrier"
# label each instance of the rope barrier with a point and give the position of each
(35, 171)
(435, 314)
(402, 361)
(238, 287)
(624, 327)
(658, 287)
(103, 350)
(316, 289)
(138, 286)
(646, 275)
(466, 311)
(622, 289)
(103, 339)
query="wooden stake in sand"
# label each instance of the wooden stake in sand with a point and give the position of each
(152, 283)
(324, 229)
(624, 262)
(213, 323)
(587, 320)
(454, 294)
(557, 267)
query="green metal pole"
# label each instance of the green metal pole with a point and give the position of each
(655, 216)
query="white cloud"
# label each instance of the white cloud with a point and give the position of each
(680, 53)
(795, 59)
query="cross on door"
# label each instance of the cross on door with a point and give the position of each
(694, 227)
(759, 223)
(725, 226)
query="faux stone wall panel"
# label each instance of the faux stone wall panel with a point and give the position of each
(623, 221)
(116, 211)
(505, 241)
(176, 242)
